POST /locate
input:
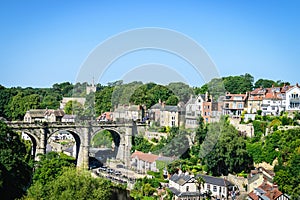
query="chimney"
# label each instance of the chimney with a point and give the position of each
(206, 96)
(272, 194)
(159, 101)
(163, 104)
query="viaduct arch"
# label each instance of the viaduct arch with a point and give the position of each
(83, 133)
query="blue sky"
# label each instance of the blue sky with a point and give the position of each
(46, 41)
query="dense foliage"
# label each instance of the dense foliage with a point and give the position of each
(102, 139)
(71, 184)
(15, 172)
(229, 154)
(56, 177)
(144, 188)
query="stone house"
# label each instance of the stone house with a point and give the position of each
(258, 177)
(166, 115)
(196, 107)
(128, 113)
(43, 115)
(184, 186)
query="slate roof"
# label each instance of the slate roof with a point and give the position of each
(215, 180)
(69, 116)
(170, 108)
(183, 194)
(36, 113)
(180, 179)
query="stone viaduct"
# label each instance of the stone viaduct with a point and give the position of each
(83, 133)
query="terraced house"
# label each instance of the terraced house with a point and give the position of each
(184, 187)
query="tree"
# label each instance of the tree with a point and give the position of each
(72, 184)
(238, 84)
(199, 183)
(181, 90)
(73, 107)
(51, 166)
(103, 100)
(229, 154)
(172, 100)
(14, 170)
(264, 83)
(20, 103)
(202, 90)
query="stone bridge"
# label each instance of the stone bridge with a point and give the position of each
(83, 133)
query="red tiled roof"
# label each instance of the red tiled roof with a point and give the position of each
(271, 192)
(255, 98)
(148, 157)
(272, 96)
(253, 196)
(258, 91)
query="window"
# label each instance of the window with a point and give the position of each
(187, 188)
(208, 187)
(215, 188)
(240, 105)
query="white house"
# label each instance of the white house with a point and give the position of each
(184, 186)
(143, 162)
(293, 99)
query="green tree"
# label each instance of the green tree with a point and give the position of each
(199, 183)
(15, 172)
(172, 100)
(72, 184)
(74, 107)
(20, 103)
(103, 100)
(181, 90)
(51, 166)
(229, 154)
(102, 139)
(264, 83)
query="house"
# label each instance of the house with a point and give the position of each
(234, 104)
(184, 186)
(166, 115)
(143, 162)
(258, 176)
(43, 115)
(105, 117)
(193, 111)
(267, 192)
(273, 102)
(293, 98)
(34, 115)
(128, 113)
(69, 118)
(200, 106)
(255, 100)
